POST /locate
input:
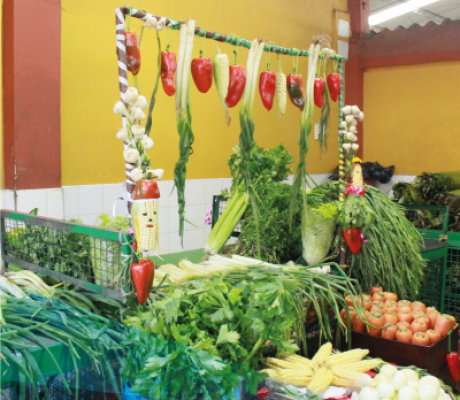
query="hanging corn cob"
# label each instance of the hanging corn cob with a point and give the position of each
(324, 369)
(221, 72)
(281, 88)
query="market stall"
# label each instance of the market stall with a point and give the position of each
(319, 298)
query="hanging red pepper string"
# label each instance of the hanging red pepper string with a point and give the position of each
(237, 81)
(334, 81)
(202, 71)
(295, 86)
(267, 85)
(453, 361)
(168, 69)
(319, 89)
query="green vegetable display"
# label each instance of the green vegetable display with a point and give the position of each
(433, 189)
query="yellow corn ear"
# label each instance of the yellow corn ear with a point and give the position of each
(346, 374)
(221, 73)
(324, 351)
(299, 381)
(343, 382)
(270, 372)
(147, 217)
(282, 364)
(321, 380)
(294, 373)
(347, 357)
(301, 360)
(360, 366)
(281, 91)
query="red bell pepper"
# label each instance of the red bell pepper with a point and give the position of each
(267, 88)
(146, 189)
(168, 68)
(353, 238)
(295, 89)
(318, 92)
(236, 85)
(333, 84)
(202, 73)
(263, 393)
(143, 273)
(133, 54)
(453, 361)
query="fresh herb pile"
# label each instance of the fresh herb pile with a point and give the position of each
(391, 258)
(26, 322)
(162, 369)
(278, 242)
(433, 189)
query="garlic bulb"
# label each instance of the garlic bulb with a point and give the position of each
(349, 136)
(141, 102)
(120, 109)
(136, 174)
(122, 134)
(349, 119)
(355, 111)
(131, 155)
(354, 122)
(346, 110)
(361, 115)
(151, 22)
(328, 52)
(343, 125)
(161, 24)
(137, 130)
(137, 113)
(158, 173)
(355, 146)
(347, 146)
(131, 95)
(147, 143)
(355, 138)
(352, 129)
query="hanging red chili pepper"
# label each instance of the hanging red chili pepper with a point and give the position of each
(146, 189)
(333, 83)
(237, 82)
(263, 393)
(295, 88)
(133, 54)
(318, 92)
(143, 273)
(453, 361)
(353, 238)
(168, 68)
(202, 73)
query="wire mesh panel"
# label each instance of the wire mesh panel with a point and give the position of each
(452, 289)
(428, 217)
(81, 255)
(218, 207)
(432, 284)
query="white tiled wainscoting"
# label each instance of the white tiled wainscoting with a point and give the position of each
(87, 202)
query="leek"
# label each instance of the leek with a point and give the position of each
(243, 193)
(183, 115)
(299, 185)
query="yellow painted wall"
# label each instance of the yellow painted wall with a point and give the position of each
(412, 117)
(90, 152)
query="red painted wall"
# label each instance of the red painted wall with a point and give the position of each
(32, 92)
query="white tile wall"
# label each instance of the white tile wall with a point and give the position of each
(87, 202)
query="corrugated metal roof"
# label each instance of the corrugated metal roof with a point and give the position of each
(435, 13)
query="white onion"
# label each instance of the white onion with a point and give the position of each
(399, 380)
(385, 389)
(408, 393)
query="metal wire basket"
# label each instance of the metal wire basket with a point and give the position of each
(84, 256)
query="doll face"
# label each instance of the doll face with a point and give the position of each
(357, 175)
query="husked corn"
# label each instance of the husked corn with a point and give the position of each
(344, 382)
(301, 360)
(147, 225)
(346, 374)
(324, 352)
(321, 380)
(281, 92)
(347, 357)
(360, 366)
(282, 364)
(299, 381)
(294, 373)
